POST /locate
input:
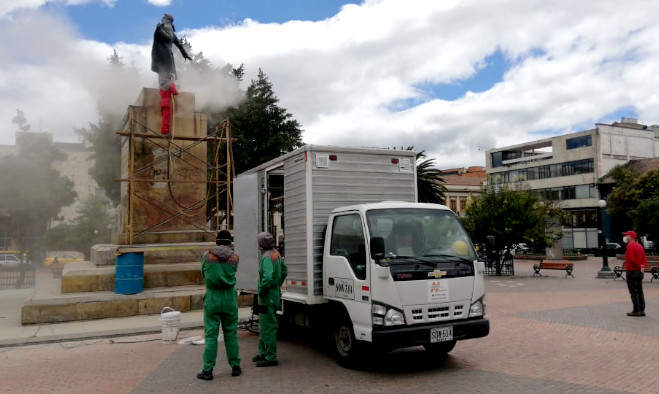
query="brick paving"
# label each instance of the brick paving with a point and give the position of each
(548, 335)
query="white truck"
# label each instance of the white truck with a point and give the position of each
(365, 261)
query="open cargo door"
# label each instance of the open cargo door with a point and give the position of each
(246, 228)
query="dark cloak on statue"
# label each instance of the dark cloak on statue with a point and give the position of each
(162, 58)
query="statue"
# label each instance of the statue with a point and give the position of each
(162, 58)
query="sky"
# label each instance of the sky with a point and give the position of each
(452, 77)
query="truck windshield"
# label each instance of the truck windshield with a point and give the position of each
(420, 234)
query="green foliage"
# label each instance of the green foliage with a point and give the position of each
(105, 145)
(90, 227)
(646, 218)
(623, 194)
(512, 215)
(429, 180)
(264, 130)
(33, 191)
(632, 203)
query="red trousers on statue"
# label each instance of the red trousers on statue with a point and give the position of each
(166, 107)
(166, 115)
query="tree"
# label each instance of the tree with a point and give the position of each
(105, 145)
(512, 215)
(633, 202)
(34, 192)
(20, 120)
(264, 130)
(90, 227)
(429, 180)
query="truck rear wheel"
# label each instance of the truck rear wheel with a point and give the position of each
(440, 348)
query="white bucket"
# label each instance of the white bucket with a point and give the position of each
(170, 323)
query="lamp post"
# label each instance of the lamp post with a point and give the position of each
(605, 272)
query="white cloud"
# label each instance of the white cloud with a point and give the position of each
(571, 64)
(160, 3)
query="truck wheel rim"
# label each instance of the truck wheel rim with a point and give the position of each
(344, 340)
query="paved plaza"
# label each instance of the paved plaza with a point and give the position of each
(548, 334)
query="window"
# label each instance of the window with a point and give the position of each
(548, 171)
(454, 205)
(463, 204)
(496, 159)
(544, 172)
(579, 142)
(348, 241)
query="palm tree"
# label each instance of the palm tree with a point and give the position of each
(429, 180)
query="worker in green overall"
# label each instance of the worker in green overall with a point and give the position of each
(272, 274)
(219, 266)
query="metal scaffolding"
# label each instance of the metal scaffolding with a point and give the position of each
(219, 171)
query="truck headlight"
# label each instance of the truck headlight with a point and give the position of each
(394, 318)
(383, 315)
(477, 308)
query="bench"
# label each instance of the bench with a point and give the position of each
(554, 265)
(651, 268)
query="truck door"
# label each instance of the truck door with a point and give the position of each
(346, 274)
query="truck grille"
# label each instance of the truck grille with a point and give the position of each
(429, 314)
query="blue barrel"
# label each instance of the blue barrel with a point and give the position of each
(129, 273)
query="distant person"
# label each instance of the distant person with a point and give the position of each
(167, 90)
(162, 58)
(272, 274)
(635, 263)
(219, 266)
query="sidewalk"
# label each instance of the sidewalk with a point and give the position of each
(13, 333)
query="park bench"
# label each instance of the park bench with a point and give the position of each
(652, 268)
(554, 265)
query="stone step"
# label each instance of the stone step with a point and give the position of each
(105, 304)
(89, 277)
(48, 306)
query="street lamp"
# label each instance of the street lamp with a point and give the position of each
(605, 272)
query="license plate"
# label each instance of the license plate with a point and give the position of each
(441, 334)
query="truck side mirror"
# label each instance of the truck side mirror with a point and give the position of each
(377, 248)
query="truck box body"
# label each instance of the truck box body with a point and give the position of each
(315, 179)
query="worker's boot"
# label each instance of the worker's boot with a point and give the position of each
(266, 363)
(236, 371)
(205, 375)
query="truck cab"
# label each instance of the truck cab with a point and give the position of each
(401, 274)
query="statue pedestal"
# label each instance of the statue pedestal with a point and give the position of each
(164, 188)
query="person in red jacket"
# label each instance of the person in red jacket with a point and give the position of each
(635, 262)
(167, 89)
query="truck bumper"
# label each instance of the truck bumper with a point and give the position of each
(395, 337)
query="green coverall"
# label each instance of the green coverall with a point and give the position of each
(220, 304)
(272, 274)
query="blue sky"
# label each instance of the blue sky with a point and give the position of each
(131, 20)
(448, 77)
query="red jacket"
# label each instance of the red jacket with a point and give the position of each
(635, 259)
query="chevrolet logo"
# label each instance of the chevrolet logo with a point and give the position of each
(437, 274)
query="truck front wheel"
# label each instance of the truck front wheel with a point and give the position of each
(440, 348)
(346, 348)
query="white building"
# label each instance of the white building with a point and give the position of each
(568, 168)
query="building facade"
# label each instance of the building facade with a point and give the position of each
(462, 186)
(568, 169)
